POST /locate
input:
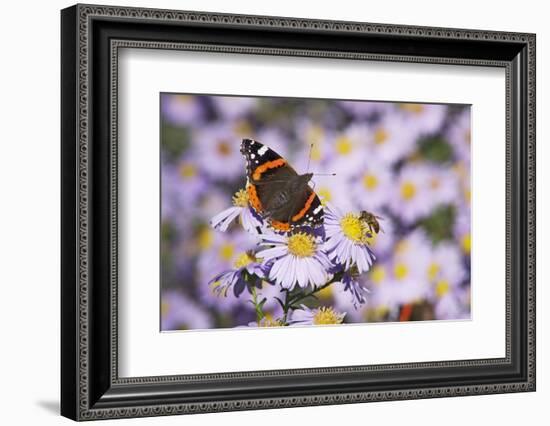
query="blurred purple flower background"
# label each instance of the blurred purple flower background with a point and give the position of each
(407, 163)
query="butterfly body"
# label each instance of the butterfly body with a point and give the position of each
(276, 192)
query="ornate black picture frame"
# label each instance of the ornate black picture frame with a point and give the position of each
(90, 38)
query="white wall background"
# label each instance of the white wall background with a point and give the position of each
(29, 213)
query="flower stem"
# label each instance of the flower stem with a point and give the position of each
(259, 312)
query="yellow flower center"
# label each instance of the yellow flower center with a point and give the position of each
(408, 190)
(380, 136)
(240, 199)
(223, 148)
(466, 243)
(226, 251)
(433, 270)
(370, 181)
(301, 245)
(378, 274)
(188, 171)
(325, 194)
(354, 228)
(164, 308)
(205, 238)
(269, 321)
(413, 108)
(325, 293)
(435, 183)
(314, 134)
(400, 271)
(244, 259)
(468, 195)
(326, 315)
(402, 247)
(242, 128)
(184, 99)
(442, 288)
(344, 145)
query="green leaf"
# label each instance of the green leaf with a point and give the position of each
(436, 149)
(439, 225)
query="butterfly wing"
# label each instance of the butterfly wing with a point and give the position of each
(267, 173)
(268, 176)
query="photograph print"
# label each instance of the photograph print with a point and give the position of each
(285, 212)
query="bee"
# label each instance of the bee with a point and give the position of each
(372, 221)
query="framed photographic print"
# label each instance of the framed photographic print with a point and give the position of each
(263, 212)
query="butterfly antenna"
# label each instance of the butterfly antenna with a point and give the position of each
(309, 157)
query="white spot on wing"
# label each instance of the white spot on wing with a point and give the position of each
(318, 209)
(253, 156)
(262, 150)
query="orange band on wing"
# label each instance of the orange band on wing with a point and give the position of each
(253, 198)
(266, 166)
(302, 212)
(280, 226)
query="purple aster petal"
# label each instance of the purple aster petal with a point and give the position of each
(222, 220)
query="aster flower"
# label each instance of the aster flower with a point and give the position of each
(391, 139)
(181, 110)
(220, 253)
(347, 240)
(178, 312)
(297, 259)
(459, 136)
(412, 198)
(324, 315)
(424, 118)
(372, 188)
(232, 107)
(241, 209)
(346, 152)
(356, 289)
(266, 322)
(217, 149)
(248, 272)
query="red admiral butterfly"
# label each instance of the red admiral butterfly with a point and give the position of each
(276, 192)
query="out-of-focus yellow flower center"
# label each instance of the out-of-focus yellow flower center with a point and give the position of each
(325, 293)
(378, 274)
(301, 245)
(164, 308)
(354, 228)
(435, 183)
(242, 128)
(205, 238)
(223, 147)
(466, 243)
(314, 134)
(408, 190)
(402, 247)
(325, 194)
(468, 136)
(240, 199)
(344, 146)
(442, 288)
(226, 251)
(269, 321)
(468, 195)
(413, 108)
(433, 270)
(380, 136)
(187, 170)
(370, 181)
(326, 315)
(400, 271)
(244, 259)
(184, 99)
